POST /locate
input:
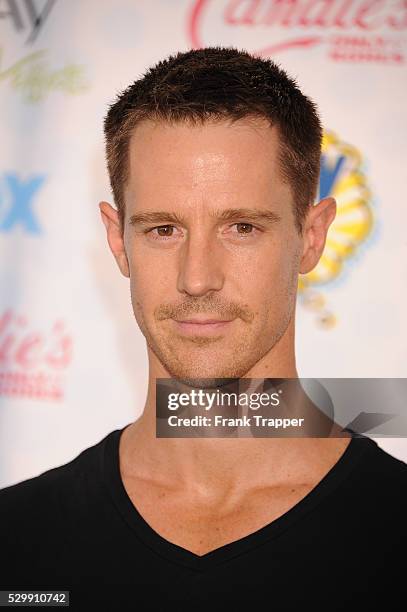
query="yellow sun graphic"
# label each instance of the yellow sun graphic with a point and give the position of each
(351, 226)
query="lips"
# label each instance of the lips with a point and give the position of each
(204, 321)
(201, 326)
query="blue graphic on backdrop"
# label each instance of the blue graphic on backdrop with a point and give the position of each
(17, 197)
(329, 175)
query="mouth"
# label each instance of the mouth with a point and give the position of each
(201, 326)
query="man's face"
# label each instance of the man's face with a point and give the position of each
(237, 267)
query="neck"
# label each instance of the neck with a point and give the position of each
(219, 464)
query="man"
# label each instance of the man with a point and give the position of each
(213, 157)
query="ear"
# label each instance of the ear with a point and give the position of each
(316, 226)
(111, 221)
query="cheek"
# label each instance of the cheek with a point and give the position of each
(150, 286)
(273, 292)
(142, 272)
(273, 272)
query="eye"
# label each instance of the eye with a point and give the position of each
(164, 231)
(245, 226)
(245, 229)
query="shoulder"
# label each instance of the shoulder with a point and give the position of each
(382, 464)
(53, 487)
(41, 516)
(377, 479)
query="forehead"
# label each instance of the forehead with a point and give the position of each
(214, 157)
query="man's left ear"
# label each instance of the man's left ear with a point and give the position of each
(316, 226)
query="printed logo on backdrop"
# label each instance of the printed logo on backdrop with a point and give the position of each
(17, 199)
(32, 362)
(346, 30)
(343, 177)
(26, 17)
(33, 75)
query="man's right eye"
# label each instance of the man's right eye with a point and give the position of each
(163, 228)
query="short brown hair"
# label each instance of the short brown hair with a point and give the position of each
(217, 83)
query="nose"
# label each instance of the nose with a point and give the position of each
(200, 265)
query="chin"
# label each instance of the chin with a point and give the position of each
(204, 383)
(203, 375)
(206, 367)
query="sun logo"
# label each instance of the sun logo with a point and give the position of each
(343, 178)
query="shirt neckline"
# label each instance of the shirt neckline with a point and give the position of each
(111, 476)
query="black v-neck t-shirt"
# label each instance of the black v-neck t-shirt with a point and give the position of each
(342, 547)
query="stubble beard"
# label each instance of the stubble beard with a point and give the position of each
(176, 356)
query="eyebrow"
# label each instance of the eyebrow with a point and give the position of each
(230, 214)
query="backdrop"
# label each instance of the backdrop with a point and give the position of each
(73, 363)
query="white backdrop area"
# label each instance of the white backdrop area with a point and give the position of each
(73, 362)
